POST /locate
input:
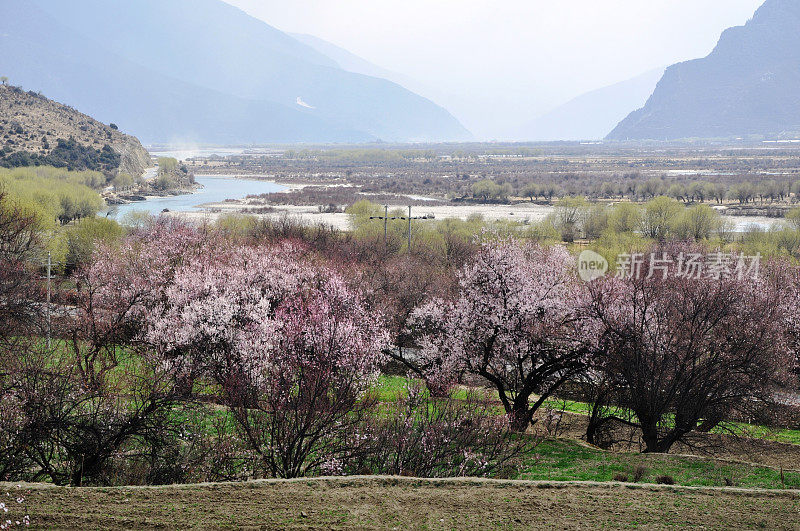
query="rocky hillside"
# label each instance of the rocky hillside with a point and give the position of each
(747, 87)
(36, 130)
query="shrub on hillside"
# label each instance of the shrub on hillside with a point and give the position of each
(67, 154)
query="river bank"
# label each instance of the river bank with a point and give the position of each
(216, 189)
(238, 194)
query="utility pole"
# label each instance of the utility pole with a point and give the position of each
(385, 219)
(49, 276)
(409, 228)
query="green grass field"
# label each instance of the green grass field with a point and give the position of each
(561, 483)
(568, 460)
(390, 388)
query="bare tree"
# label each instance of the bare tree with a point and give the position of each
(20, 289)
(687, 352)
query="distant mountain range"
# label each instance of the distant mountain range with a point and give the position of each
(749, 86)
(592, 115)
(203, 71)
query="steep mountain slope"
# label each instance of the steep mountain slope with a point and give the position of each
(202, 70)
(592, 115)
(351, 62)
(69, 67)
(748, 85)
(347, 60)
(33, 127)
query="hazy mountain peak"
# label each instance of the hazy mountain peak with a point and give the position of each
(747, 86)
(591, 115)
(204, 71)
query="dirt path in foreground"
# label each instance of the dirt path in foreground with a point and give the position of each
(406, 503)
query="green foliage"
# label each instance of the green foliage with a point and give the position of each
(165, 182)
(487, 190)
(123, 181)
(677, 191)
(85, 234)
(167, 165)
(543, 232)
(793, 217)
(625, 218)
(777, 241)
(361, 211)
(743, 193)
(613, 244)
(447, 239)
(236, 225)
(170, 175)
(698, 223)
(595, 221)
(53, 195)
(569, 217)
(67, 154)
(660, 216)
(531, 191)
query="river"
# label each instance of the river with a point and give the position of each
(215, 190)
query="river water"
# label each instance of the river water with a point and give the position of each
(215, 190)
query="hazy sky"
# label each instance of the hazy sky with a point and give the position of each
(497, 64)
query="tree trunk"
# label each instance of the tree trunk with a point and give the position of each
(650, 439)
(520, 420)
(655, 445)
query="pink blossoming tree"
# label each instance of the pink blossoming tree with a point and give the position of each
(515, 323)
(95, 393)
(293, 347)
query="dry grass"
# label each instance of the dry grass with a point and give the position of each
(405, 503)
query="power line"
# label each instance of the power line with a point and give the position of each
(386, 219)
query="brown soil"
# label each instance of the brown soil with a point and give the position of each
(406, 503)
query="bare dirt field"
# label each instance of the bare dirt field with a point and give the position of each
(406, 503)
